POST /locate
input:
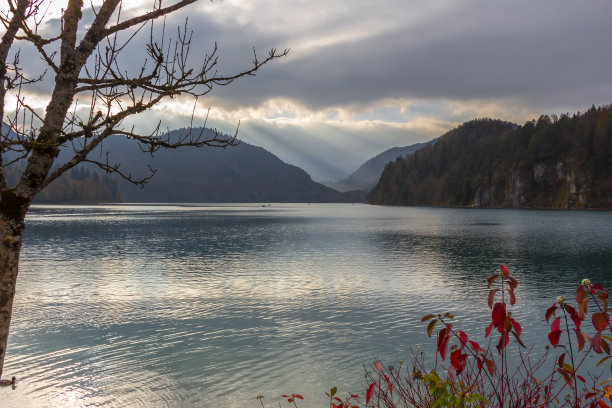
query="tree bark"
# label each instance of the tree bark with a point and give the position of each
(11, 229)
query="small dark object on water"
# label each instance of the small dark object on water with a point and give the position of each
(8, 382)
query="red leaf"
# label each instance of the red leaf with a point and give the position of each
(517, 327)
(512, 297)
(576, 321)
(600, 321)
(488, 330)
(580, 294)
(298, 396)
(499, 314)
(596, 341)
(378, 366)
(476, 347)
(490, 366)
(491, 280)
(582, 308)
(455, 359)
(570, 309)
(491, 296)
(428, 317)
(561, 360)
(463, 338)
(581, 340)
(581, 378)
(550, 312)
(369, 392)
(556, 324)
(504, 270)
(458, 360)
(602, 404)
(513, 282)
(443, 337)
(597, 287)
(554, 336)
(479, 363)
(388, 383)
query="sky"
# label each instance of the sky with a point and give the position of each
(364, 76)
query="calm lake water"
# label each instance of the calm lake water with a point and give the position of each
(208, 306)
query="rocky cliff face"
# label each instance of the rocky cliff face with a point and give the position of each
(569, 189)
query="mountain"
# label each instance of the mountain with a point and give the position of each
(554, 162)
(367, 175)
(242, 173)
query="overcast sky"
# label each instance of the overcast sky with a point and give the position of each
(365, 76)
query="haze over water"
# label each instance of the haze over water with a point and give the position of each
(208, 306)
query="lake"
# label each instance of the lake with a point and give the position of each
(211, 305)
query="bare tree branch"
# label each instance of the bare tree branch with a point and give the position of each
(147, 17)
(114, 95)
(92, 97)
(19, 15)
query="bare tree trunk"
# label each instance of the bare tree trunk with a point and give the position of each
(11, 229)
(114, 94)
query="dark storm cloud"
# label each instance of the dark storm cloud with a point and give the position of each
(532, 51)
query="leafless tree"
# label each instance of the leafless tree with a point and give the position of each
(82, 63)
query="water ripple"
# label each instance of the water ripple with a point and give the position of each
(200, 306)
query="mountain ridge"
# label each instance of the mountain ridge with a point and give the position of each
(241, 173)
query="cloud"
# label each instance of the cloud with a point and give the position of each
(328, 144)
(365, 76)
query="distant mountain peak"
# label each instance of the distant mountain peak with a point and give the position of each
(367, 175)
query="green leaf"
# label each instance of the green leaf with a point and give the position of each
(428, 317)
(333, 391)
(603, 360)
(518, 339)
(605, 347)
(431, 326)
(450, 316)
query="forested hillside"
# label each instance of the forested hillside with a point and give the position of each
(554, 162)
(241, 173)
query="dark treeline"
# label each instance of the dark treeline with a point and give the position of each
(78, 186)
(552, 162)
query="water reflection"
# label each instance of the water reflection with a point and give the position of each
(202, 306)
